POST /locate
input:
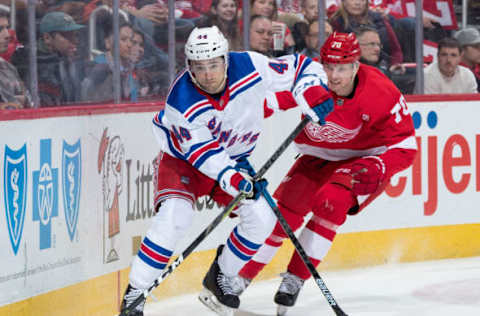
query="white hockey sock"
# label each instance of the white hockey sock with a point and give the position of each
(169, 225)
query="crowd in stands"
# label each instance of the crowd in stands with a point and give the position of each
(75, 45)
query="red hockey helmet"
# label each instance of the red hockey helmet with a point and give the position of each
(340, 48)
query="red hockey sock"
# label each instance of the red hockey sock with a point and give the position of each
(251, 269)
(298, 267)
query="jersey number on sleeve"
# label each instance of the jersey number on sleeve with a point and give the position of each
(400, 106)
(278, 67)
(184, 133)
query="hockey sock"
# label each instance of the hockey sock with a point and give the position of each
(238, 250)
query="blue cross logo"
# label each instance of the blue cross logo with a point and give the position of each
(45, 194)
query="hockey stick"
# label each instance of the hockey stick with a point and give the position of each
(298, 247)
(226, 211)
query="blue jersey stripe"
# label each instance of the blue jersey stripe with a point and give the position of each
(197, 146)
(248, 86)
(205, 156)
(197, 113)
(244, 154)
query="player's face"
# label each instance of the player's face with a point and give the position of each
(210, 74)
(340, 77)
(448, 60)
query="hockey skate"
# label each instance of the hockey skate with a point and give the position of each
(131, 294)
(218, 293)
(287, 293)
(240, 284)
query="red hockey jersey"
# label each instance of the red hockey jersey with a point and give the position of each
(374, 122)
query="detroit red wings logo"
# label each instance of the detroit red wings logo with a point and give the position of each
(330, 132)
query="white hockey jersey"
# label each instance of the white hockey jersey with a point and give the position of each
(211, 134)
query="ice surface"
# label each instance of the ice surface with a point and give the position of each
(436, 288)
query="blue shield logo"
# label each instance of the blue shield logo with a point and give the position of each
(71, 180)
(15, 192)
(45, 194)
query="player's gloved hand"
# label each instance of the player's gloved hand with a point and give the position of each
(362, 176)
(234, 182)
(243, 165)
(322, 110)
(313, 98)
(258, 187)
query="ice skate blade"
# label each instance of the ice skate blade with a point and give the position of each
(210, 301)
(282, 310)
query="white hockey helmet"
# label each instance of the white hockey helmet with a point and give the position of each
(206, 43)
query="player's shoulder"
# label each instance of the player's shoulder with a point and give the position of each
(241, 64)
(377, 88)
(183, 94)
(374, 82)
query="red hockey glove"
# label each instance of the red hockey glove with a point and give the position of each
(362, 176)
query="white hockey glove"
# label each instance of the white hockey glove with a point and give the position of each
(313, 98)
(234, 182)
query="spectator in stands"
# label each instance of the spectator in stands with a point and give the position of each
(138, 47)
(310, 10)
(223, 14)
(72, 8)
(312, 48)
(60, 71)
(469, 39)
(291, 6)
(261, 35)
(152, 81)
(446, 75)
(371, 48)
(98, 85)
(372, 54)
(151, 17)
(13, 94)
(352, 14)
(268, 8)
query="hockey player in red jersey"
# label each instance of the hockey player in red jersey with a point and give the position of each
(367, 138)
(210, 125)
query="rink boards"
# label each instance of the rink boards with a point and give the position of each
(76, 189)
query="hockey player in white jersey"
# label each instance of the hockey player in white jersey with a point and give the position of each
(210, 125)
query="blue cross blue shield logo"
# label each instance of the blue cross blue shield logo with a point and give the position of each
(45, 193)
(71, 180)
(15, 192)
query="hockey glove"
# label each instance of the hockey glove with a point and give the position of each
(234, 182)
(258, 188)
(362, 176)
(244, 166)
(313, 98)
